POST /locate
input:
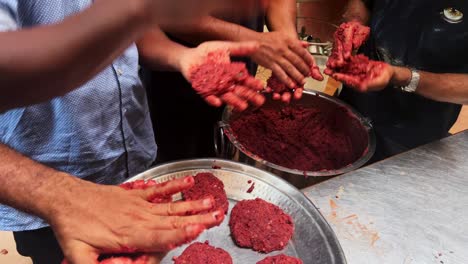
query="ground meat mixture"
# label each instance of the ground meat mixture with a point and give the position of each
(276, 85)
(359, 69)
(260, 225)
(142, 184)
(216, 76)
(206, 185)
(297, 138)
(203, 253)
(355, 70)
(280, 259)
(348, 37)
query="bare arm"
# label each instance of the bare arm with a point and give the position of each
(281, 17)
(67, 54)
(158, 52)
(357, 10)
(64, 55)
(26, 185)
(89, 219)
(445, 87)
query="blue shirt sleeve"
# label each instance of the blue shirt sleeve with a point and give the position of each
(9, 15)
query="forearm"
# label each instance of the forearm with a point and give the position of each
(40, 63)
(30, 186)
(446, 87)
(281, 16)
(158, 52)
(211, 28)
(357, 10)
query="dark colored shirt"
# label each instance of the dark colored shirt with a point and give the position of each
(412, 34)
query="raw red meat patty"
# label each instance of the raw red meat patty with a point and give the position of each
(206, 185)
(203, 253)
(260, 225)
(142, 184)
(216, 76)
(280, 259)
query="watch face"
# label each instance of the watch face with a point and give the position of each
(452, 15)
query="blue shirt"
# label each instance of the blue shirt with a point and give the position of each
(100, 132)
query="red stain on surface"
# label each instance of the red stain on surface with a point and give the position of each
(350, 227)
(252, 187)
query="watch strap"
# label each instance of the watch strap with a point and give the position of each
(413, 84)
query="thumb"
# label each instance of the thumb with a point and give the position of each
(80, 254)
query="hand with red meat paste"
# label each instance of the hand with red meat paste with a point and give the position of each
(287, 57)
(89, 219)
(365, 75)
(279, 49)
(106, 220)
(207, 67)
(348, 37)
(212, 74)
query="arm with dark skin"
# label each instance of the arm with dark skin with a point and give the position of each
(89, 219)
(281, 17)
(280, 50)
(443, 87)
(64, 55)
(67, 54)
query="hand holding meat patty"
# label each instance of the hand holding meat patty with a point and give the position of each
(87, 226)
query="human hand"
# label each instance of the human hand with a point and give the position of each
(377, 76)
(287, 57)
(95, 219)
(281, 91)
(348, 37)
(208, 67)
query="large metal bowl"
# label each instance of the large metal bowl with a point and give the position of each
(358, 127)
(313, 241)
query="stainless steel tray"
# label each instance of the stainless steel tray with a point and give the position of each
(314, 241)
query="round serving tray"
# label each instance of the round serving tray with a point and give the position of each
(314, 241)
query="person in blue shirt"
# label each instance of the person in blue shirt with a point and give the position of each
(54, 150)
(418, 96)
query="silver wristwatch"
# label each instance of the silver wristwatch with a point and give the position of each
(413, 84)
